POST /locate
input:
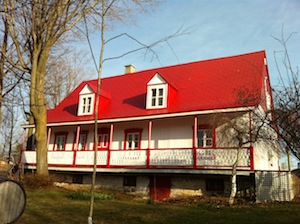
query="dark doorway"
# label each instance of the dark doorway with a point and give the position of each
(160, 187)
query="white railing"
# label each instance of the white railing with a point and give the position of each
(128, 157)
(182, 158)
(87, 158)
(222, 157)
(171, 157)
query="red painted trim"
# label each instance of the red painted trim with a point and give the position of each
(149, 143)
(133, 130)
(77, 135)
(195, 141)
(48, 137)
(60, 134)
(250, 127)
(109, 144)
(101, 133)
(204, 127)
(251, 158)
(23, 146)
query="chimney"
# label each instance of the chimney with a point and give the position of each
(129, 69)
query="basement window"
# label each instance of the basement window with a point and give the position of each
(216, 185)
(129, 181)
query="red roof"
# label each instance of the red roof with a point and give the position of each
(229, 82)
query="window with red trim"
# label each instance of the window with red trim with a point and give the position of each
(103, 138)
(82, 140)
(60, 141)
(133, 139)
(103, 141)
(205, 137)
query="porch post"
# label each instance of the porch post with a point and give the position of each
(23, 139)
(149, 142)
(76, 145)
(23, 146)
(111, 133)
(195, 141)
(250, 128)
(77, 138)
(48, 137)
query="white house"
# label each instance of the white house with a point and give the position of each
(166, 131)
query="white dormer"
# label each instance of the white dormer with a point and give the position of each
(86, 101)
(157, 92)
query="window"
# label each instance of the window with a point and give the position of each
(103, 141)
(86, 104)
(103, 138)
(82, 140)
(157, 97)
(157, 93)
(133, 139)
(60, 141)
(86, 101)
(205, 137)
(215, 185)
(129, 181)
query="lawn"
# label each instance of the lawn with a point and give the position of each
(56, 206)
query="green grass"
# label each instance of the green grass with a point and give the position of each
(57, 206)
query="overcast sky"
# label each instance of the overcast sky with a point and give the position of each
(218, 28)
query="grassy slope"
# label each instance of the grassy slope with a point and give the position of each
(53, 206)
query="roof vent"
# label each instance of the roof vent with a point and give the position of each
(129, 69)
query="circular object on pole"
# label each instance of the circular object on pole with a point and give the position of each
(12, 200)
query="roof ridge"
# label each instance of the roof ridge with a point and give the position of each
(182, 64)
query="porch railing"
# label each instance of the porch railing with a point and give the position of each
(200, 158)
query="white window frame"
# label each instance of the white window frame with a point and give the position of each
(157, 97)
(133, 140)
(205, 138)
(85, 107)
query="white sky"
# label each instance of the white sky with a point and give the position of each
(219, 28)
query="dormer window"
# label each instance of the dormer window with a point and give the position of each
(157, 92)
(86, 101)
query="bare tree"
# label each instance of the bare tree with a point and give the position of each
(34, 28)
(109, 13)
(65, 70)
(287, 99)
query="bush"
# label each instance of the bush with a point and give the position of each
(87, 196)
(35, 181)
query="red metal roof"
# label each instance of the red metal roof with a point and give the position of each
(228, 82)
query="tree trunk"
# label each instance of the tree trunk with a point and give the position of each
(233, 178)
(39, 110)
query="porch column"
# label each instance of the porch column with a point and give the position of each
(48, 137)
(77, 138)
(195, 140)
(23, 139)
(23, 146)
(76, 145)
(111, 133)
(149, 142)
(250, 128)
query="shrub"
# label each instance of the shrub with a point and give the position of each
(87, 196)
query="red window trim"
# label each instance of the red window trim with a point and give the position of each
(133, 130)
(209, 127)
(102, 131)
(81, 133)
(55, 139)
